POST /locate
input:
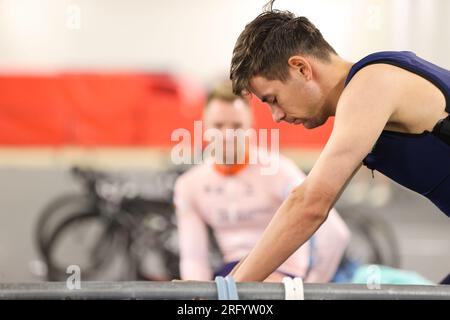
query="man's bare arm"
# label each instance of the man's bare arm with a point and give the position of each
(363, 111)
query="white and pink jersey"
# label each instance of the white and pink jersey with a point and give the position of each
(238, 207)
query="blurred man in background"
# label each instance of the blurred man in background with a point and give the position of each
(237, 201)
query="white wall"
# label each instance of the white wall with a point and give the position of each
(196, 37)
(422, 26)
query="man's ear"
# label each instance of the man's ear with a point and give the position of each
(301, 65)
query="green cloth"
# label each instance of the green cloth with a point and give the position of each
(386, 275)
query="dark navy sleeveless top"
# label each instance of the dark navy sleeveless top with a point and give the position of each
(420, 162)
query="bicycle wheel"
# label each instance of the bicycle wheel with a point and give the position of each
(372, 239)
(97, 245)
(154, 238)
(54, 213)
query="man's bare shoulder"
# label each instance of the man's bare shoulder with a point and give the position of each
(379, 76)
(375, 88)
(400, 93)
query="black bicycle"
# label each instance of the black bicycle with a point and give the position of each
(119, 230)
(372, 239)
(114, 230)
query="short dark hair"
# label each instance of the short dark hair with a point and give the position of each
(267, 42)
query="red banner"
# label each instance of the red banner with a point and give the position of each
(114, 110)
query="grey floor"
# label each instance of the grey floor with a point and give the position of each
(423, 232)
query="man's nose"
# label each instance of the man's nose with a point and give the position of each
(278, 114)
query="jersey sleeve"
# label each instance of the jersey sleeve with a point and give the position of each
(192, 235)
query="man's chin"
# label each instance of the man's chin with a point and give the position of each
(311, 124)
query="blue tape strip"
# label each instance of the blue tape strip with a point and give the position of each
(222, 291)
(232, 288)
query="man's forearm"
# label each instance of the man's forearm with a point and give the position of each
(292, 225)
